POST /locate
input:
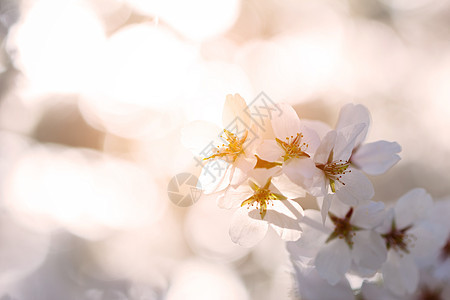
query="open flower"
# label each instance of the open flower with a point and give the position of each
(411, 238)
(259, 204)
(292, 147)
(334, 174)
(225, 154)
(346, 239)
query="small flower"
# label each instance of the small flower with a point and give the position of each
(225, 154)
(334, 175)
(292, 146)
(411, 239)
(346, 239)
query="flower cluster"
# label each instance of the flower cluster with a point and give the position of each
(264, 167)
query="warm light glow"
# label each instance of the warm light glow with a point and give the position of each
(305, 65)
(82, 190)
(103, 103)
(56, 45)
(195, 20)
(141, 65)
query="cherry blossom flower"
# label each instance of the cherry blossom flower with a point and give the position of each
(345, 242)
(259, 204)
(226, 154)
(411, 238)
(292, 147)
(334, 175)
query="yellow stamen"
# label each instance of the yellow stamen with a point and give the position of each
(233, 148)
(334, 169)
(293, 147)
(262, 197)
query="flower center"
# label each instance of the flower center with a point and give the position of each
(343, 228)
(262, 198)
(398, 239)
(293, 147)
(334, 169)
(233, 148)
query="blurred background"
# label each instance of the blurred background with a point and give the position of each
(94, 93)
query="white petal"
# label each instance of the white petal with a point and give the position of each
(311, 138)
(359, 271)
(318, 185)
(440, 212)
(319, 127)
(313, 237)
(386, 225)
(299, 169)
(412, 206)
(246, 229)
(284, 216)
(338, 208)
(312, 287)
(232, 198)
(215, 176)
(288, 188)
(333, 261)
(428, 240)
(369, 250)
(352, 114)
(238, 178)
(369, 215)
(287, 124)
(201, 137)
(374, 291)
(346, 141)
(326, 204)
(325, 147)
(442, 271)
(243, 165)
(235, 107)
(262, 126)
(252, 141)
(269, 150)
(400, 273)
(377, 157)
(260, 176)
(357, 189)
